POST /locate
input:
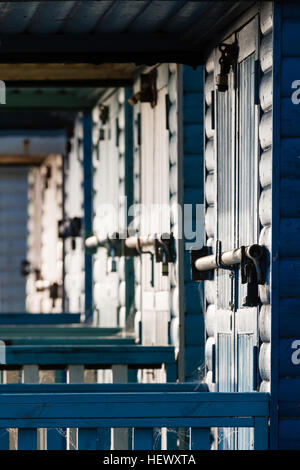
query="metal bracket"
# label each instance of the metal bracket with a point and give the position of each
(251, 274)
(164, 252)
(218, 255)
(196, 275)
(148, 88)
(69, 228)
(229, 54)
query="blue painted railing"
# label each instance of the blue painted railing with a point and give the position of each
(39, 318)
(12, 332)
(144, 409)
(92, 356)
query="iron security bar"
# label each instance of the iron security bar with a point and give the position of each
(159, 246)
(249, 258)
(229, 258)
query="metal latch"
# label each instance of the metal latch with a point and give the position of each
(161, 248)
(229, 54)
(69, 227)
(249, 258)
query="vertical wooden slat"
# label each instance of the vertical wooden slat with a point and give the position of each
(56, 439)
(27, 439)
(104, 438)
(171, 377)
(199, 438)
(261, 438)
(4, 433)
(142, 439)
(75, 374)
(30, 374)
(4, 439)
(171, 372)
(87, 439)
(120, 436)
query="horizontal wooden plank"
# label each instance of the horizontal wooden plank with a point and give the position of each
(289, 237)
(26, 331)
(58, 388)
(290, 118)
(289, 389)
(289, 409)
(290, 357)
(289, 318)
(193, 298)
(193, 196)
(289, 269)
(289, 429)
(193, 110)
(290, 161)
(290, 197)
(289, 444)
(193, 171)
(101, 356)
(193, 79)
(39, 318)
(290, 38)
(77, 340)
(158, 422)
(193, 138)
(290, 71)
(123, 407)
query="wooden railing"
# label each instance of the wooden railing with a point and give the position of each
(39, 318)
(144, 409)
(11, 333)
(75, 359)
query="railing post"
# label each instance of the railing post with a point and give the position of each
(120, 435)
(199, 439)
(31, 375)
(261, 435)
(27, 439)
(142, 439)
(75, 374)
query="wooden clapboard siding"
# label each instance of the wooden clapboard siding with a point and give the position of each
(193, 194)
(73, 207)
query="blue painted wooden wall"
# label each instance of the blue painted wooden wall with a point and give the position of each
(193, 194)
(286, 203)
